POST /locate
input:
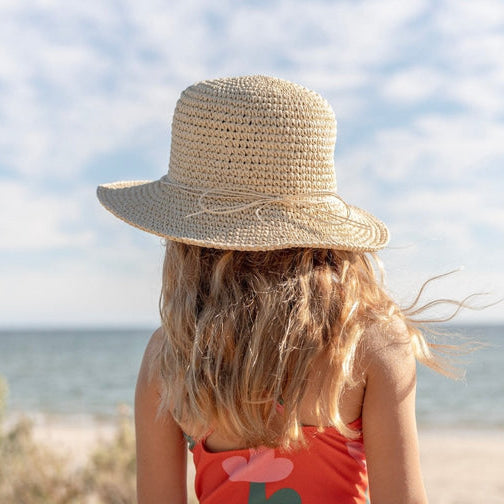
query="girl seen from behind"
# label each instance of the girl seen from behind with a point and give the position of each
(280, 361)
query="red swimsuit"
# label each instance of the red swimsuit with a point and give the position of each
(331, 469)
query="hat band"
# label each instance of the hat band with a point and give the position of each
(228, 201)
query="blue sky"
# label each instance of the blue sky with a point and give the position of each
(87, 90)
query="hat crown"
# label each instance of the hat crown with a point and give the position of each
(258, 133)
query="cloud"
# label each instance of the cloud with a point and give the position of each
(67, 98)
(468, 18)
(464, 63)
(433, 149)
(485, 96)
(88, 89)
(81, 79)
(413, 84)
(455, 216)
(77, 293)
(32, 220)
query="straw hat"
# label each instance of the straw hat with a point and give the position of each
(251, 168)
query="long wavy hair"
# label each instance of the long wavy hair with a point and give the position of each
(244, 331)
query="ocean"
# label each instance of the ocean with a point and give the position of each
(89, 373)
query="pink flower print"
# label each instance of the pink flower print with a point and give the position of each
(262, 467)
(356, 450)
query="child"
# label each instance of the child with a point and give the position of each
(281, 360)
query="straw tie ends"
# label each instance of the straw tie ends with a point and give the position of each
(225, 202)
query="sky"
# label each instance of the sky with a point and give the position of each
(87, 92)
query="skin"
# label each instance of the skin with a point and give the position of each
(385, 400)
(160, 445)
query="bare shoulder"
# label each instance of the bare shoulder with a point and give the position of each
(388, 414)
(387, 350)
(147, 373)
(161, 449)
(154, 344)
(379, 337)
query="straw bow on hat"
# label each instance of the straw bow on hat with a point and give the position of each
(251, 168)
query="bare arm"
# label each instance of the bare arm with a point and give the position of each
(389, 425)
(161, 449)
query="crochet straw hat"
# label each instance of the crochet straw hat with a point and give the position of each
(251, 168)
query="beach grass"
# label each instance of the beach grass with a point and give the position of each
(33, 473)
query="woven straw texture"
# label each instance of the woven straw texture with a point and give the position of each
(251, 168)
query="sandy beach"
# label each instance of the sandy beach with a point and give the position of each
(463, 467)
(76, 438)
(460, 467)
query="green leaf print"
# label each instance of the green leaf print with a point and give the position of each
(257, 495)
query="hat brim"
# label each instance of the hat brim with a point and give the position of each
(171, 212)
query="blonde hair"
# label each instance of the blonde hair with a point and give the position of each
(242, 332)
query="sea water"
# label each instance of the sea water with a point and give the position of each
(91, 372)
